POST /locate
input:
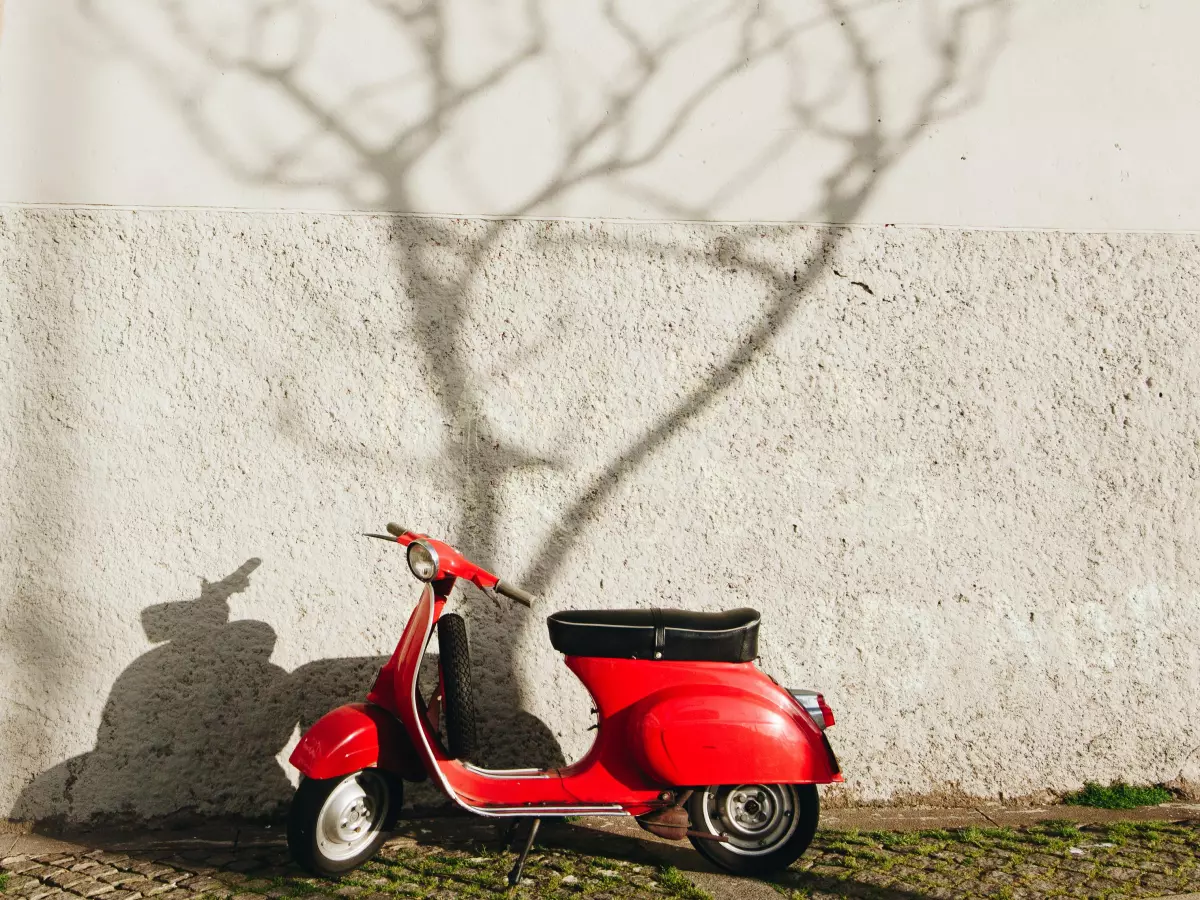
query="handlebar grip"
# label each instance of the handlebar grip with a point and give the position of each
(514, 593)
(396, 530)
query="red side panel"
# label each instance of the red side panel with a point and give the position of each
(353, 737)
(729, 735)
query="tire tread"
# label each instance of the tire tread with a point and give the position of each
(458, 707)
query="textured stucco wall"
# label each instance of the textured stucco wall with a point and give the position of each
(956, 470)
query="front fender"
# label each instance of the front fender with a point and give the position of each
(727, 735)
(353, 737)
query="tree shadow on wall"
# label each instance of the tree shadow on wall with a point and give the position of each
(378, 142)
(195, 725)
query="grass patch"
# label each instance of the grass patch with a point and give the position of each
(854, 836)
(971, 835)
(936, 834)
(3, 880)
(1118, 795)
(1002, 833)
(676, 882)
(891, 839)
(1059, 828)
(1123, 831)
(295, 887)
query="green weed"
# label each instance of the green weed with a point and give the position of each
(1059, 828)
(295, 888)
(971, 835)
(891, 839)
(1118, 795)
(936, 834)
(999, 834)
(675, 881)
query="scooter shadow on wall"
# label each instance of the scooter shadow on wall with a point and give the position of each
(194, 726)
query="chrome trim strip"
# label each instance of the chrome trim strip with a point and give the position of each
(427, 602)
(509, 773)
(652, 626)
(534, 810)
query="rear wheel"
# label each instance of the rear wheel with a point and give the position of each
(458, 704)
(337, 824)
(763, 827)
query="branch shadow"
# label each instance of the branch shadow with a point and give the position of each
(177, 711)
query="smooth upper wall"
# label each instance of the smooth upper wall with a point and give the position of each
(1071, 114)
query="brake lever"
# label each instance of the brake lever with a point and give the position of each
(493, 596)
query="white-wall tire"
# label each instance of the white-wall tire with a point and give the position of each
(764, 828)
(337, 824)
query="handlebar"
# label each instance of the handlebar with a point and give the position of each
(514, 593)
(473, 573)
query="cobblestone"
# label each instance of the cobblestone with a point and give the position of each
(92, 888)
(1138, 860)
(149, 869)
(62, 878)
(1052, 859)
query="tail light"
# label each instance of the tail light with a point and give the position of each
(814, 704)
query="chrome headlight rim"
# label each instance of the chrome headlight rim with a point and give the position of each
(433, 558)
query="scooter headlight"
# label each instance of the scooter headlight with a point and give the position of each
(423, 560)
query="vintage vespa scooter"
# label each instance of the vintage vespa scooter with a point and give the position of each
(693, 740)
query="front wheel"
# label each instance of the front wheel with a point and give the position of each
(337, 824)
(762, 828)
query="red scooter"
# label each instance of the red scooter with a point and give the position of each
(693, 740)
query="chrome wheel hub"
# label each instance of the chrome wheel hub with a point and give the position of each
(352, 815)
(749, 810)
(755, 818)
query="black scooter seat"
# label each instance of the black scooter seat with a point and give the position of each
(730, 636)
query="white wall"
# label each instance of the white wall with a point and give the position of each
(1078, 114)
(956, 469)
(966, 503)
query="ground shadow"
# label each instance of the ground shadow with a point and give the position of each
(194, 726)
(616, 839)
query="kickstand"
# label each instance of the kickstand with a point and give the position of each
(514, 877)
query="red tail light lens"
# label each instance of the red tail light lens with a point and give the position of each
(826, 712)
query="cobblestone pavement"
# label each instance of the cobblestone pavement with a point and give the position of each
(437, 859)
(465, 858)
(1050, 859)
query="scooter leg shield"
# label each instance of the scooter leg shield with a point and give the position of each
(353, 737)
